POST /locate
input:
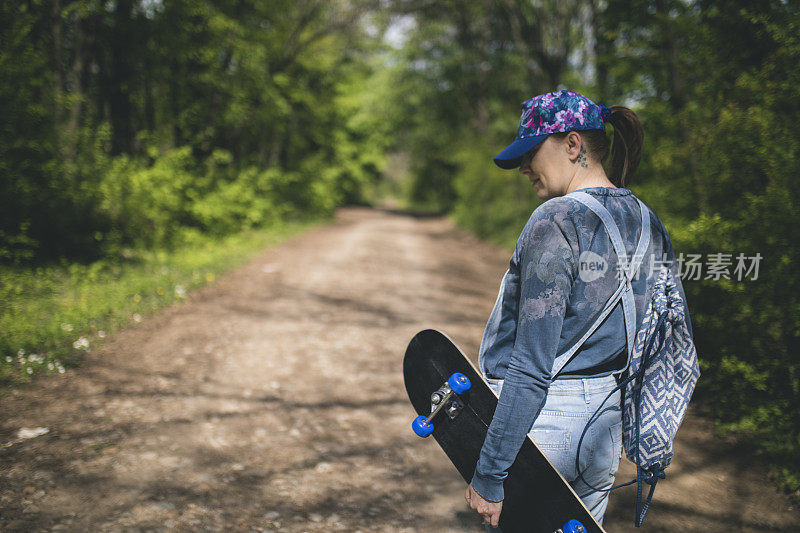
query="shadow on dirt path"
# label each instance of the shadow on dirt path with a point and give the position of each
(273, 400)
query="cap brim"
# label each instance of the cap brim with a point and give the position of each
(511, 157)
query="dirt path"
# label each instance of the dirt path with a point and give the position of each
(274, 400)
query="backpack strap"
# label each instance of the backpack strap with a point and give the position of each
(624, 290)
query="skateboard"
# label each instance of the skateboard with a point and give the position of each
(456, 405)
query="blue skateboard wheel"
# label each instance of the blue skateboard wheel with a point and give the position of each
(459, 383)
(420, 427)
(573, 526)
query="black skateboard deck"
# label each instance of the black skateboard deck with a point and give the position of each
(537, 498)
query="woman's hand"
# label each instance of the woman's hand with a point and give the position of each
(490, 511)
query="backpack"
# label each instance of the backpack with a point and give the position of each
(662, 366)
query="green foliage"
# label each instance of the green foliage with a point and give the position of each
(146, 204)
(505, 198)
(141, 123)
(157, 204)
(51, 314)
(747, 153)
(243, 203)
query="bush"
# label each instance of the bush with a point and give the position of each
(172, 199)
(491, 202)
(146, 205)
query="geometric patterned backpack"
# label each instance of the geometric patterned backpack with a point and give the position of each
(661, 378)
(662, 368)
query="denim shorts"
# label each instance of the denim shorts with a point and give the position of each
(558, 428)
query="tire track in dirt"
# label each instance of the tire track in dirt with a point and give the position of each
(273, 400)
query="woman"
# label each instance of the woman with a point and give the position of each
(561, 274)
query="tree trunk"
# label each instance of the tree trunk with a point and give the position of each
(58, 64)
(602, 48)
(68, 86)
(77, 100)
(669, 47)
(175, 103)
(121, 40)
(678, 98)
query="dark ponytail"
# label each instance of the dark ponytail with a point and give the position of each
(626, 151)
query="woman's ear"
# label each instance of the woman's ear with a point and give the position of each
(573, 145)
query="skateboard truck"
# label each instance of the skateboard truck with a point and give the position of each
(441, 398)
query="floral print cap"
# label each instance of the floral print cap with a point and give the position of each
(557, 111)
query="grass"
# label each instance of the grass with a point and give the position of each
(50, 315)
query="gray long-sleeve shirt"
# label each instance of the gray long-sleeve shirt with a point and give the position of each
(560, 275)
